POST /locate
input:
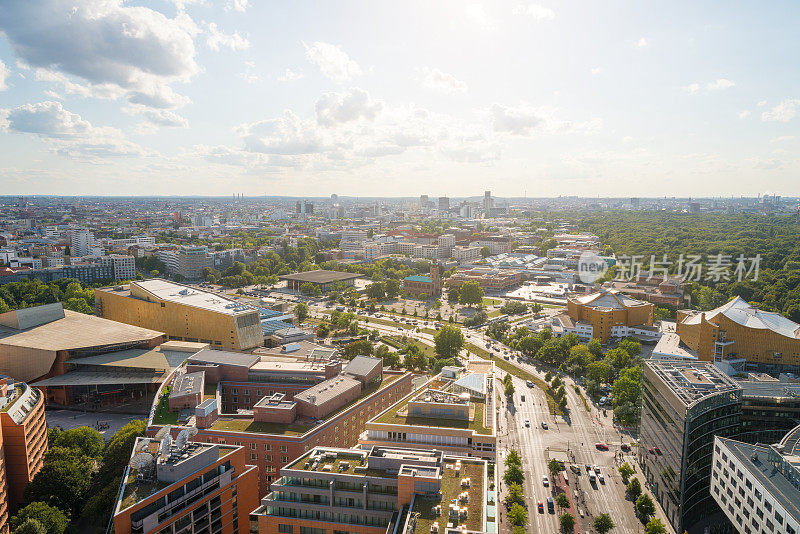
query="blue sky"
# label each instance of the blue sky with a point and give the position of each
(544, 98)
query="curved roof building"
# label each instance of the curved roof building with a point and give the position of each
(740, 330)
(608, 313)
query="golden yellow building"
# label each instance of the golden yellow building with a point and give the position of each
(609, 313)
(740, 330)
(183, 313)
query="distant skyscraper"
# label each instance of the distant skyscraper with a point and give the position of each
(423, 202)
(82, 240)
(487, 201)
(444, 204)
(334, 197)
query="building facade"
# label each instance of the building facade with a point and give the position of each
(609, 313)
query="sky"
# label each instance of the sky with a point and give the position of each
(373, 98)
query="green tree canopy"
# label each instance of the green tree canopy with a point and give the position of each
(51, 519)
(603, 523)
(448, 342)
(471, 293)
(567, 522)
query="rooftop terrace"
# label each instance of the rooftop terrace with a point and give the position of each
(398, 415)
(451, 491)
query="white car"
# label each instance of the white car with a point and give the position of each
(545, 481)
(596, 469)
(527, 422)
(601, 478)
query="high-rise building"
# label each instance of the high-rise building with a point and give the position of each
(81, 242)
(192, 259)
(23, 441)
(444, 204)
(684, 405)
(423, 202)
(487, 201)
(758, 486)
(304, 207)
(182, 487)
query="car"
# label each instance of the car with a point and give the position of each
(658, 451)
(601, 478)
(529, 383)
(596, 469)
(575, 469)
(545, 481)
(527, 423)
(540, 506)
(522, 397)
(601, 446)
(544, 425)
(625, 447)
(551, 505)
(588, 468)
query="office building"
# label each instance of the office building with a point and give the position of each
(280, 404)
(488, 278)
(191, 262)
(444, 205)
(450, 414)
(180, 487)
(23, 441)
(123, 267)
(684, 405)
(487, 201)
(466, 254)
(378, 490)
(739, 331)
(606, 314)
(423, 202)
(497, 244)
(758, 486)
(81, 242)
(183, 313)
(304, 207)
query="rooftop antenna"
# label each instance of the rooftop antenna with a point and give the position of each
(141, 461)
(166, 429)
(165, 445)
(182, 439)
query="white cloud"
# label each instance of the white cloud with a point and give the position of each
(105, 91)
(286, 135)
(157, 117)
(476, 15)
(337, 108)
(442, 82)
(237, 5)
(596, 70)
(3, 75)
(332, 61)
(289, 75)
(642, 43)
(158, 96)
(692, 88)
(535, 11)
(761, 103)
(722, 83)
(783, 138)
(67, 132)
(744, 113)
(102, 41)
(783, 112)
(217, 39)
(249, 75)
(517, 121)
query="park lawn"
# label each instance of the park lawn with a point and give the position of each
(488, 301)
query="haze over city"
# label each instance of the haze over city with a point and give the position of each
(389, 99)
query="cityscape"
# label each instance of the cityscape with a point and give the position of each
(427, 268)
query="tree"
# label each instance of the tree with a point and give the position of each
(118, 450)
(62, 483)
(554, 466)
(645, 507)
(567, 522)
(85, 441)
(562, 500)
(358, 348)
(634, 488)
(536, 308)
(392, 288)
(51, 519)
(518, 515)
(595, 347)
(514, 307)
(603, 523)
(471, 293)
(376, 290)
(513, 475)
(655, 526)
(453, 294)
(514, 495)
(513, 458)
(626, 471)
(448, 342)
(600, 372)
(509, 390)
(486, 252)
(301, 312)
(30, 526)
(309, 290)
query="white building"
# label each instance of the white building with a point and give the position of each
(758, 486)
(169, 258)
(466, 254)
(124, 266)
(81, 243)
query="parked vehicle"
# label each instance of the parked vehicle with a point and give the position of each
(551, 507)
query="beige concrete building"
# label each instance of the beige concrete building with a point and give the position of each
(183, 313)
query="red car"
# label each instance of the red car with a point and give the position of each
(601, 446)
(540, 506)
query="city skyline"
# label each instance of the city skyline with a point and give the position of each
(527, 99)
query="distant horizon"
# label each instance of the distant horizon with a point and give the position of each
(431, 198)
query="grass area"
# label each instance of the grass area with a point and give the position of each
(248, 425)
(399, 344)
(476, 424)
(163, 416)
(18, 390)
(495, 313)
(451, 487)
(136, 491)
(583, 399)
(483, 353)
(488, 301)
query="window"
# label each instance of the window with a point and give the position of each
(284, 459)
(284, 448)
(768, 506)
(748, 484)
(253, 456)
(269, 457)
(285, 529)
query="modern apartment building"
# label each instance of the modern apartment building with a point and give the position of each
(280, 407)
(738, 330)
(183, 313)
(454, 415)
(758, 486)
(23, 442)
(81, 242)
(181, 487)
(488, 278)
(191, 262)
(123, 266)
(684, 406)
(377, 490)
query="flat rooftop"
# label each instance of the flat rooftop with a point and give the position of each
(320, 276)
(692, 381)
(186, 295)
(451, 492)
(164, 357)
(223, 357)
(187, 384)
(398, 415)
(328, 390)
